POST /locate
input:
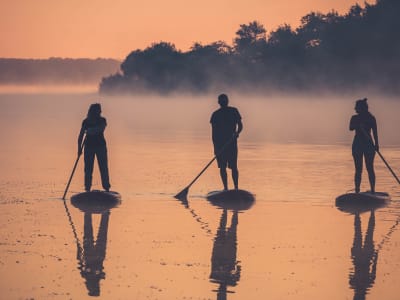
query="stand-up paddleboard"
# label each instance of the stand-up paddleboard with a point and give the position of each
(231, 199)
(362, 202)
(96, 202)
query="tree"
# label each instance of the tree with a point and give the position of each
(157, 66)
(250, 40)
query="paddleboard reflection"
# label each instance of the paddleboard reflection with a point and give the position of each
(364, 252)
(225, 267)
(91, 252)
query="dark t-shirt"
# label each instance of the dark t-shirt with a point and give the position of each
(224, 124)
(94, 129)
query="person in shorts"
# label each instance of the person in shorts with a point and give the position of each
(226, 125)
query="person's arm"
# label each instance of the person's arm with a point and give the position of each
(353, 123)
(80, 138)
(239, 124)
(212, 122)
(375, 134)
(239, 127)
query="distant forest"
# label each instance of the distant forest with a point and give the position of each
(359, 50)
(55, 70)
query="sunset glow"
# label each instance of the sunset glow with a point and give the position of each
(104, 28)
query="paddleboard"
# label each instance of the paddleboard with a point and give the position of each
(96, 202)
(231, 199)
(362, 202)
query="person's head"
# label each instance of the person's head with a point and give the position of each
(94, 110)
(223, 100)
(361, 106)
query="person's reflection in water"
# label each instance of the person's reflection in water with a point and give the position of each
(364, 258)
(225, 269)
(94, 252)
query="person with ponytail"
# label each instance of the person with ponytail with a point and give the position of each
(95, 145)
(364, 147)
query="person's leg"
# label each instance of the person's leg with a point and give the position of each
(357, 157)
(89, 161)
(232, 163)
(369, 164)
(235, 177)
(222, 165)
(224, 177)
(102, 160)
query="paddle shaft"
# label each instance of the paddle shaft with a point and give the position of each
(387, 165)
(73, 169)
(211, 161)
(380, 155)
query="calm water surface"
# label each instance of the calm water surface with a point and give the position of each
(293, 243)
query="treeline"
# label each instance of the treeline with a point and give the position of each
(357, 50)
(55, 70)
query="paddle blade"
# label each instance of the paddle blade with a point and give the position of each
(182, 195)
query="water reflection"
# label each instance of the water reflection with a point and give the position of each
(364, 254)
(91, 255)
(203, 224)
(364, 257)
(225, 269)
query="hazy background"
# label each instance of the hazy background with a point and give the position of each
(317, 119)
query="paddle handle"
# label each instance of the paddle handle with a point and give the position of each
(380, 155)
(70, 177)
(387, 165)
(212, 160)
(202, 171)
(73, 169)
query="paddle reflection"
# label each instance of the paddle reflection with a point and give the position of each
(225, 269)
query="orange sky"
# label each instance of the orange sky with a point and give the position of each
(113, 28)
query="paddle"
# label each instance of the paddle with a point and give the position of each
(183, 194)
(380, 155)
(387, 165)
(73, 169)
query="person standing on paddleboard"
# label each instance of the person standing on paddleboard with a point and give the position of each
(95, 145)
(226, 125)
(363, 145)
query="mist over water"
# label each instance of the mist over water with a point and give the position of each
(271, 118)
(315, 119)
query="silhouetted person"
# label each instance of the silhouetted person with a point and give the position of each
(364, 258)
(225, 269)
(363, 146)
(95, 145)
(226, 126)
(94, 253)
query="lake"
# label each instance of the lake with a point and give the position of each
(293, 243)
